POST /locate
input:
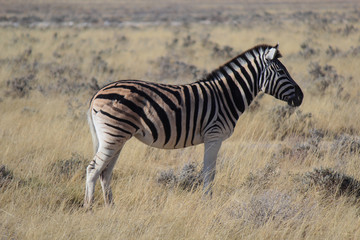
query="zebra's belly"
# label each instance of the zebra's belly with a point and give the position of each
(147, 138)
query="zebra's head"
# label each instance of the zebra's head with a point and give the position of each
(276, 80)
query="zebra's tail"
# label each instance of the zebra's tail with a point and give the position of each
(95, 139)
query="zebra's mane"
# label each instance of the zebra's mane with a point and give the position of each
(212, 75)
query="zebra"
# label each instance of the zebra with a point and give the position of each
(177, 116)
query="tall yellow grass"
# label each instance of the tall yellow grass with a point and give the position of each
(45, 130)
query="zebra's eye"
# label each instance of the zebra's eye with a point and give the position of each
(281, 72)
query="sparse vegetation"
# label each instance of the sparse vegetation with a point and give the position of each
(289, 121)
(19, 87)
(189, 178)
(270, 205)
(284, 174)
(5, 176)
(331, 182)
(68, 168)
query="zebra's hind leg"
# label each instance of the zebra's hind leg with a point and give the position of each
(102, 164)
(105, 178)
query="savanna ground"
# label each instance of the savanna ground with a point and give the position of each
(284, 174)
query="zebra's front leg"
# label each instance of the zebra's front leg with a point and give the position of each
(211, 150)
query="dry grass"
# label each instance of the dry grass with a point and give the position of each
(278, 176)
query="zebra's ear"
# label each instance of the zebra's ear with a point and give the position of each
(272, 53)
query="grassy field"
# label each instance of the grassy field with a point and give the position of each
(284, 174)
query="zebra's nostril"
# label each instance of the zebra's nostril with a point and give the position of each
(295, 100)
(299, 95)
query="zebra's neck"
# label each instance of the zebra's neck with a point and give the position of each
(238, 81)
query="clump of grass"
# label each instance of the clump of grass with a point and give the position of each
(323, 76)
(6, 176)
(299, 151)
(188, 41)
(326, 78)
(348, 30)
(261, 179)
(20, 87)
(354, 51)
(255, 105)
(270, 205)
(65, 169)
(217, 51)
(307, 51)
(167, 178)
(67, 79)
(101, 65)
(280, 112)
(171, 68)
(188, 178)
(333, 51)
(346, 144)
(312, 142)
(331, 182)
(224, 52)
(57, 71)
(287, 121)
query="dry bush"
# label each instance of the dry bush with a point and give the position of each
(345, 145)
(255, 105)
(24, 63)
(353, 51)
(262, 178)
(100, 65)
(94, 85)
(23, 59)
(188, 41)
(333, 51)
(314, 137)
(59, 71)
(326, 78)
(65, 169)
(20, 87)
(182, 42)
(269, 205)
(331, 182)
(6, 176)
(300, 150)
(66, 79)
(307, 51)
(286, 121)
(66, 86)
(225, 52)
(188, 178)
(348, 29)
(169, 68)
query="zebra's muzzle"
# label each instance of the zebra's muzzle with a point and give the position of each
(296, 99)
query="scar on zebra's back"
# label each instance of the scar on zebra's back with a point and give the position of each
(114, 102)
